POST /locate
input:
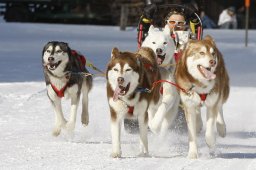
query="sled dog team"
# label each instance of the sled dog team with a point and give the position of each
(147, 84)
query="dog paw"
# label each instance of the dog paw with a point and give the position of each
(154, 127)
(116, 155)
(142, 154)
(221, 128)
(85, 119)
(85, 122)
(70, 126)
(192, 155)
(56, 131)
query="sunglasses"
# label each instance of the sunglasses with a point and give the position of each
(173, 22)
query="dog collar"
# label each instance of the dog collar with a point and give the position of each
(203, 96)
(130, 110)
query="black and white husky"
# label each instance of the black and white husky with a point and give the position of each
(64, 76)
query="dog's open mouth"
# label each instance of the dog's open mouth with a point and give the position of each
(206, 72)
(160, 59)
(53, 66)
(121, 91)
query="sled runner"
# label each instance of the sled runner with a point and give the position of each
(156, 15)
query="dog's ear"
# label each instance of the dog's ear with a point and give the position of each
(46, 46)
(115, 52)
(209, 39)
(151, 28)
(64, 46)
(167, 30)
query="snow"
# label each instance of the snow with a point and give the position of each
(26, 116)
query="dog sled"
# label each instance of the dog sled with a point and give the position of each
(155, 15)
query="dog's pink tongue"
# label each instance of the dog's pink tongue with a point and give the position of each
(116, 93)
(208, 74)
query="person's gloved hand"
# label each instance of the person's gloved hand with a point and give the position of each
(149, 11)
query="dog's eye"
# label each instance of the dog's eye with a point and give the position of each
(128, 69)
(165, 43)
(58, 51)
(202, 53)
(48, 51)
(213, 53)
(154, 42)
(115, 69)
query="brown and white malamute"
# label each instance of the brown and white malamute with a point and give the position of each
(202, 74)
(127, 72)
(64, 76)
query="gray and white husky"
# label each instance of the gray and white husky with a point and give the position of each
(64, 77)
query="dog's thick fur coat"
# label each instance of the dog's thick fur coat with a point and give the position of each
(201, 72)
(163, 113)
(126, 72)
(64, 78)
(160, 41)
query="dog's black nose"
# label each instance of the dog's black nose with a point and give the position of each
(212, 63)
(120, 80)
(159, 51)
(50, 59)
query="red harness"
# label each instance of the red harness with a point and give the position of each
(177, 56)
(203, 96)
(59, 93)
(82, 60)
(130, 110)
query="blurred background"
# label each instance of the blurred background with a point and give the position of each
(109, 12)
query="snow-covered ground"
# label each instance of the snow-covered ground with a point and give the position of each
(26, 117)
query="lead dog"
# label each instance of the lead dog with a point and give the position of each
(126, 74)
(63, 71)
(202, 74)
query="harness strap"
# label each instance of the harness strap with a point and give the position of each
(59, 93)
(203, 96)
(81, 58)
(165, 81)
(148, 66)
(161, 90)
(177, 56)
(130, 110)
(89, 64)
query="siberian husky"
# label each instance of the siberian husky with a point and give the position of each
(202, 75)
(162, 114)
(126, 73)
(63, 71)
